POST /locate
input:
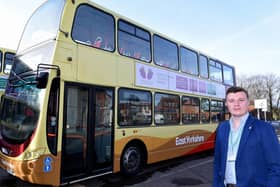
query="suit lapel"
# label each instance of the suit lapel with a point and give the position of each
(227, 130)
(245, 134)
(225, 145)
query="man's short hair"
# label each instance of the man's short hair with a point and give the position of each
(235, 89)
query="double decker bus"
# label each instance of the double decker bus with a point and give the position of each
(6, 62)
(92, 92)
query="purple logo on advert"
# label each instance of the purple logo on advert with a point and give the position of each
(146, 74)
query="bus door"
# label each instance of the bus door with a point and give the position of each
(88, 131)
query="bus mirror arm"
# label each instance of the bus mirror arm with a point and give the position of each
(66, 34)
(43, 76)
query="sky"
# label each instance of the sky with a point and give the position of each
(242, 33)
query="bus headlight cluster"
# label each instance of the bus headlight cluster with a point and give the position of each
(34, 154)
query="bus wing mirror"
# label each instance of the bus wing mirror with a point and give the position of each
(43, 76)
(42, 80)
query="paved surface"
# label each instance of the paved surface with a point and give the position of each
(192, 171)
(195, 174)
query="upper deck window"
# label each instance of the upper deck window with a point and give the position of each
(94, 27)
(228, 75)
(215, 69)
(189, 62)
(134, 42)
(165, 53)
(203, 66)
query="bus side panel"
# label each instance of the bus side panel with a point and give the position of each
(38, 171)
(96, 67)
(164, 143)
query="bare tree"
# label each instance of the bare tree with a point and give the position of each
(270, 81)
(263, 87)
(241, 81)
(254, 84)
(276, 108)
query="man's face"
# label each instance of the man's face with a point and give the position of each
(237, 103)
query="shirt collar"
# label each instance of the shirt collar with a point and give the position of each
(242, 121)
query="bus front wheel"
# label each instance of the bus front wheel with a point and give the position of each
(131, 161)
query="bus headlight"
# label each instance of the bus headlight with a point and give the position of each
(34, 154)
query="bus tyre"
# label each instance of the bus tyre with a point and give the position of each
(131, 160)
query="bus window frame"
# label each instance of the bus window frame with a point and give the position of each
(232, 74)
(1, 60)
(5, 60)
(204, 111)
(216, 65)
(52, 124)
(200, 65)
(90, 42)
(161, 114)
(157, 59)
(192, 98)
(221, 112)
(132, 33)
(121, 110)
(188, 52)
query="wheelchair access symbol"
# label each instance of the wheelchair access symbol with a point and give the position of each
(48, 164)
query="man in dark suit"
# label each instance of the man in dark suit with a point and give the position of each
(247, 151)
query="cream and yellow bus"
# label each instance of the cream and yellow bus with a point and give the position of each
(6, 62)
(92, 92)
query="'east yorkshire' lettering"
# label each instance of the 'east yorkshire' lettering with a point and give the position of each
(189, 140)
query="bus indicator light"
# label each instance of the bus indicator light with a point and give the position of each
(48, 160)
(47, 168)
(48, 164)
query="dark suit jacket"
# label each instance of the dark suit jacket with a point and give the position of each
(258, 158)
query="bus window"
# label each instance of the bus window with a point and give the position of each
(134, 42)
(167, 109)
(203, 66)
(189, 61)
(75, 129)
(205, 111)
(217, 111)
(52, 117)
(94, 27)
(165, 53)
(215, 69)
(103, 126)
(134, 107)
(228, 75)
(1, 55)
(8, 62)
(190, 110)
